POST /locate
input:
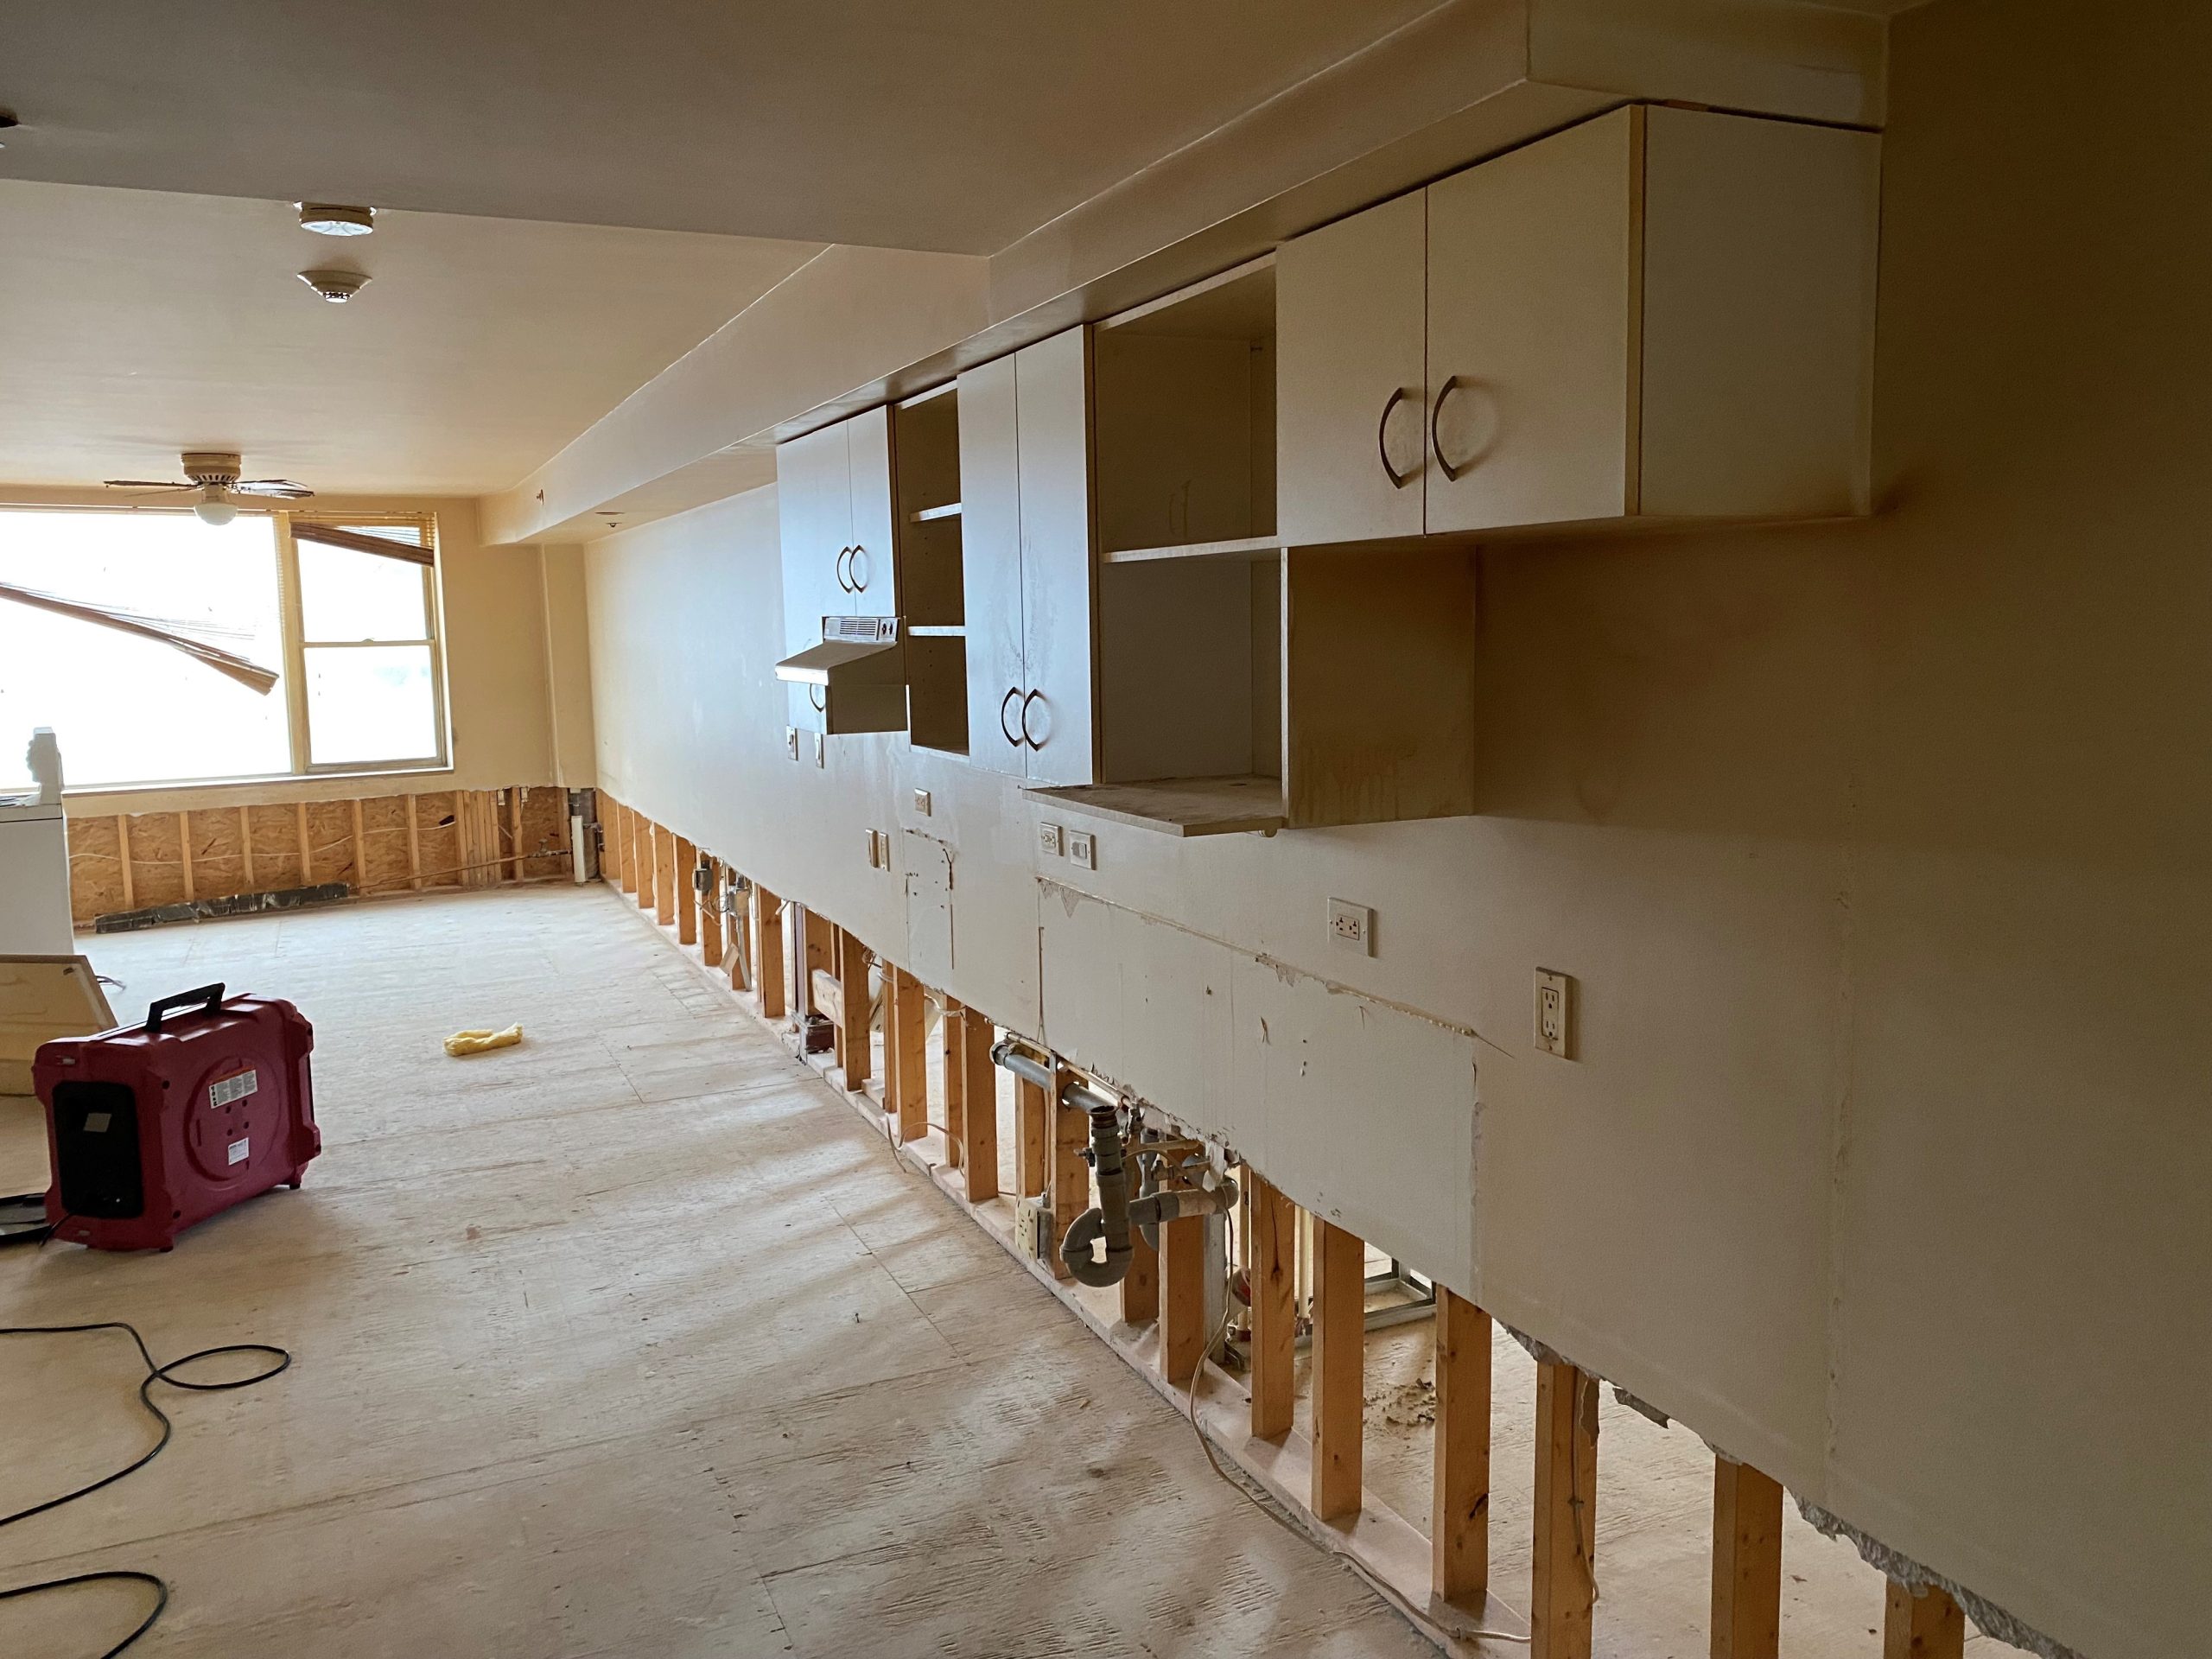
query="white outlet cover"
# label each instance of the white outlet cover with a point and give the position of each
(1048, 840)
(820, 750)
(1352, 927)
(1555, 1012)
(790, 741)
(922, 802)
(1083, 849)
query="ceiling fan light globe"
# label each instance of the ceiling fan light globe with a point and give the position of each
(215, 508)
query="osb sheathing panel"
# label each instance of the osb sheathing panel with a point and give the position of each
(157, 870)
(218, 857)
(330, 856)
(544, 831)
(95, 867)
(438, 827)
(276, 847)
(384, 843)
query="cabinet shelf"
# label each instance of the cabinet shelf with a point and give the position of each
(1239, 547)
(1179, 806)
(930, 515)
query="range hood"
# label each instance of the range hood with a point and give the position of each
(857, 673)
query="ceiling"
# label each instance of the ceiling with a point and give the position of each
(955, 125)
(138, 323)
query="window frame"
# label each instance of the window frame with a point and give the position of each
(297, 644)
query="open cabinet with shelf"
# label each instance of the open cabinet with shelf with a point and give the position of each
(926, 451)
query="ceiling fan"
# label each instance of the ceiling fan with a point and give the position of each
(214, 475)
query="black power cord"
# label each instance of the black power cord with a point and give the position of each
(155, 1373)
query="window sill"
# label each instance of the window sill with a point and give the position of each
(99, 799)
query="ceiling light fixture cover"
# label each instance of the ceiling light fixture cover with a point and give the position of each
(334, 218)
(214, 506)
(336, 286)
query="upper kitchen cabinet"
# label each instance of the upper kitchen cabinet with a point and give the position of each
(1658, 317)
(1028, 571)
(834, 493)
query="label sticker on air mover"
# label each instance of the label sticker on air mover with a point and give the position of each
(234, 1088)
(238, 1150)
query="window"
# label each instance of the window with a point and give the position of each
(347, 633)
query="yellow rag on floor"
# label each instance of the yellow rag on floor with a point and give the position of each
(476, 1042)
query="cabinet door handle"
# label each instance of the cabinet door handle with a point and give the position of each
(814, 695)
(1398, 480)
(1452, 474)
(854, 566)
(844, 553)
(1006, 703)
(1026, 701)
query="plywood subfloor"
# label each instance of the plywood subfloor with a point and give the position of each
(630, 1341)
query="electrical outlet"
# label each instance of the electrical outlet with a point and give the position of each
(922, 802)
(790, 741)
(1554, 1013)
(874, 849)
(1048, 840)
(1351, 926)
(1083, 849)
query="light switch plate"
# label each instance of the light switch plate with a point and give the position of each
(875, 849)
(1083, 849)
(790, 741)
(1048, 840)
(922, 802)
(1554, 1013)
(1352, 927)
(820, 750)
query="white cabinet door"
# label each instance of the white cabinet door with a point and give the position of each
(813, 490)
(870, 572)
(1058, 587)
(990, 557)
(1350, 398)
(1534, 301)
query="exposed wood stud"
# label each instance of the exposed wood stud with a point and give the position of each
(648, 844)
(1274, 1279)
(710, 916)
(414, 847)
(1029, 1124)
(1071, 1175)
(852, 980)
(1928, 1625)
(683, 898)
(768, 951)
(665, 875)
(514, 830)
(950, 1025)
(980, 1116)
(1563, 1582)
(906, 1037)
(1339, 1372)
(1459, 1521)
(1182, 1298)
(306, 845)
(1747, 1562)
(245, 847)
(626, 834)
(184, 851)
(1140, 1285)
(360, 854)
(122, 851)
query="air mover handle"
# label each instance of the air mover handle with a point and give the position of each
(207, 998)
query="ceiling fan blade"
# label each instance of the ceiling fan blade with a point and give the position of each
(283, 488)
(145, 484)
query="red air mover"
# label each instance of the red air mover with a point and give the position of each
(153, 1128)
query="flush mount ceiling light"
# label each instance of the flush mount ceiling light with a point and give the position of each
(336, 286)
(333, 218)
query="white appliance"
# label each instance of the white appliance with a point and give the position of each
(33, 880)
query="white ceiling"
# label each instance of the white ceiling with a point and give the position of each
(946, 124)
(137, 323)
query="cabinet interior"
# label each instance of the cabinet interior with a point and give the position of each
(925, 461)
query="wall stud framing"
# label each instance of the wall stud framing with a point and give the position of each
(768, 951)
(1563, 1582)
(648, 839)
(360, 853)
(1926, 1625)
(683, 898)
(710, 916)
(1182, 1298)
(184, 852)
(514, 832)
(979, 1130)
(306, 848)
(1459, 1524)
(852, 960)
(123, 850)
(1070, 1176)
(1274, 1279)
(950, 1025)
(1747, 1562)
(665, 875)
(414, 848)
(906, 1052)
(1339, 1372)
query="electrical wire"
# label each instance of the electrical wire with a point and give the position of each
(1191, 1406)
(155, 1373)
